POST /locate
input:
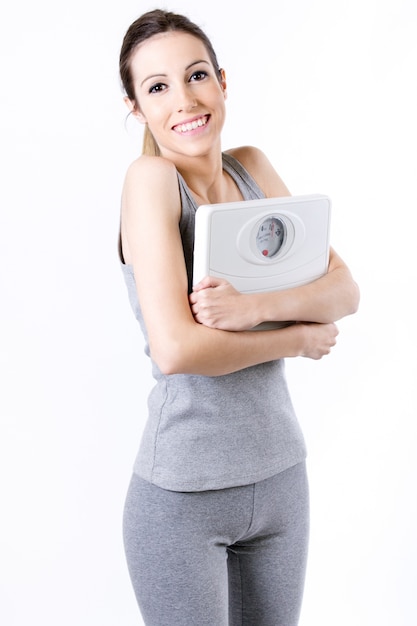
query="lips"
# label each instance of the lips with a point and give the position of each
(186, 127)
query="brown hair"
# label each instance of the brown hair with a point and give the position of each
(146, 26)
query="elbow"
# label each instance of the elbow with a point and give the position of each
(346, 304)
(188, 353)
(168, 363)
(350, 301)
(170, 367)
(169, 354)
(355, 298)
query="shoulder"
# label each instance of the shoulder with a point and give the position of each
(151, 190)
(151, 182)
(248, 156)
(261, 169)
(150, 202)
(150, 169)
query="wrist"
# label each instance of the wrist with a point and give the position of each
(298, 338)
(257, 308)
(271, 307)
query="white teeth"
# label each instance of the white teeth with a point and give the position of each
(183, 128)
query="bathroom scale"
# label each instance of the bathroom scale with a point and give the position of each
(265, 244)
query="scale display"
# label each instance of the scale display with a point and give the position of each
(263, 245)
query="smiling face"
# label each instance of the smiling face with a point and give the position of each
(178, 94)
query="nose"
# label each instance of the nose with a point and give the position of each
(186, 99)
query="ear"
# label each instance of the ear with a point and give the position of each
(131, 105)
(223, 82)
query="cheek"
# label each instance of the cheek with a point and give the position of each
(222, 106)
(154, 111)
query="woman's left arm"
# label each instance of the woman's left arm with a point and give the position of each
(217, 304)
(331, 297)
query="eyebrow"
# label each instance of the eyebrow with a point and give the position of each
(153, 76)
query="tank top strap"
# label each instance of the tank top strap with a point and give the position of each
(247, 185)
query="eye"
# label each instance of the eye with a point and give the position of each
(198, 75)
(157, 88)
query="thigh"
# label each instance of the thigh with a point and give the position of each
(267, 567)
(177, 566)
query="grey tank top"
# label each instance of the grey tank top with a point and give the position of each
(215, 432)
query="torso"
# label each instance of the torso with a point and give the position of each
(215, 432)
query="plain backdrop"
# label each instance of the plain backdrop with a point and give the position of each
(327, 89)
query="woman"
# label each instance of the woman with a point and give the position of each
(216, 516)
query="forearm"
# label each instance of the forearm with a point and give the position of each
(197, 349)
(325, 300)
(217, 304)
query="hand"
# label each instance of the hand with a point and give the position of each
(215, 303)
(319, 339)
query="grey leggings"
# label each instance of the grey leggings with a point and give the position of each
(216, 558)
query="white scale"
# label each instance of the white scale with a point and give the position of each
(263, 245)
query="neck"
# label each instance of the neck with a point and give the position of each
(205, 178)
(207, 181)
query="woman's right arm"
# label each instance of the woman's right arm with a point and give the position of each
(152, 244)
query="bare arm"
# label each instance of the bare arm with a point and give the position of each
(325, 300)
(152, 243)
(217, 304)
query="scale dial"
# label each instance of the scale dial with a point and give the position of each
(270, 236)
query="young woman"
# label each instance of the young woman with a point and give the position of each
(216, 516)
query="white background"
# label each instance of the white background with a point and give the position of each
(327, 89)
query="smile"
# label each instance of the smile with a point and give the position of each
(185, 128)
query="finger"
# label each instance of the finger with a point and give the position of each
(204, 283)
(194, 309)
(207, 282)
